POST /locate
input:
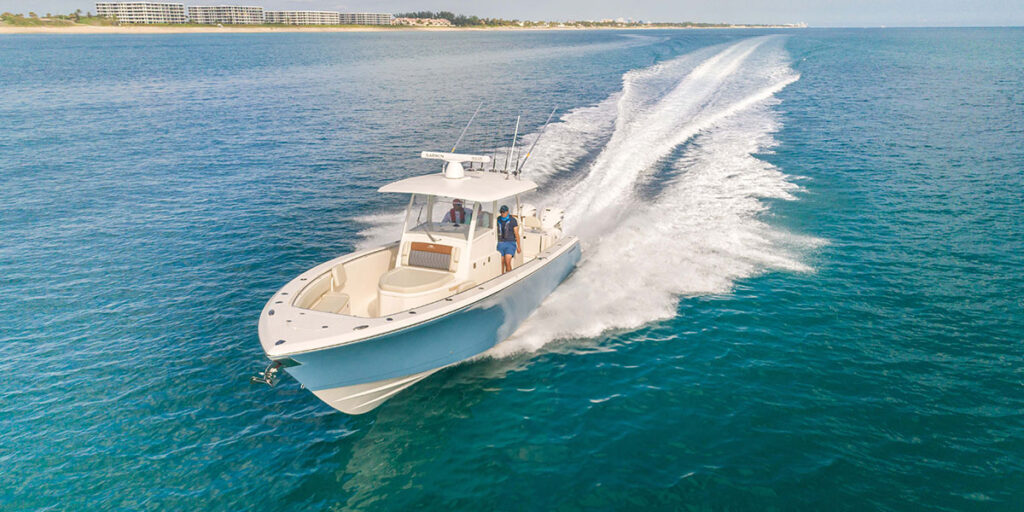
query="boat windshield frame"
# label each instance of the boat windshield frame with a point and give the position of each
(426, 214)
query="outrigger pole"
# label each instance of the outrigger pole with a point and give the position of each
(467, 127)
(519, 169)
(509, 156)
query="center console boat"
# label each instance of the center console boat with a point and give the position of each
(362, 327)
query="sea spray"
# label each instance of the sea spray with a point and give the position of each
(687, 128)
(702, 230)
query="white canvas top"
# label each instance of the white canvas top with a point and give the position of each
(480, 186)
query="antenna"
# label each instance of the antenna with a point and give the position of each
(467, 127)
(530, 152)
(514, 135)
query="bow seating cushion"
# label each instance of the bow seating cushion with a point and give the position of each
(414, 280)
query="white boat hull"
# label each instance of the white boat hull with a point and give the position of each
(355, 377)
(362, 398)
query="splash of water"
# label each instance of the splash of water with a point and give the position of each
(686, 129)
(672, 199)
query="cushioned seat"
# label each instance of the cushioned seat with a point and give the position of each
(414, 280)
(332, 302)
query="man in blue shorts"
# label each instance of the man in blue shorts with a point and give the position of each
(508, 239)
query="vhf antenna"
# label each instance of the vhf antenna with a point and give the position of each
(519, 169)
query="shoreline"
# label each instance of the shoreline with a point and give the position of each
(164, 29)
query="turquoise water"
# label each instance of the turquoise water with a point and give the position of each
(801, 287)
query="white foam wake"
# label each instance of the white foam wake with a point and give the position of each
(671, 201)
(672, 205)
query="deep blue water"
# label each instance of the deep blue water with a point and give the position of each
(802, 285)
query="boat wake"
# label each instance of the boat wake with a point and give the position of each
(672, 205)
(660, 183)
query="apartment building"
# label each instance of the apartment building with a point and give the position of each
(151, 12)
(303, 17)
(142, 12)
(225, 14)
(365, 18)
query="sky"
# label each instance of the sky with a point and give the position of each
(821, 13)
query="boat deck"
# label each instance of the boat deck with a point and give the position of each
(286, 329)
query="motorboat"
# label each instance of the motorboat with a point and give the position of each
(360, 328)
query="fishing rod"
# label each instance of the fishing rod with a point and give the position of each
(509, 156)
(467, 127)
(519, 170)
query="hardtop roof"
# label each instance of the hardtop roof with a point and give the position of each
(480, 186)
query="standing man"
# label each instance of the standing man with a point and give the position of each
(508, 239)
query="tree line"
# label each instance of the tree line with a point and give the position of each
(459, 20)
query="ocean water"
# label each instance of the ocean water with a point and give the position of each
(802, 282)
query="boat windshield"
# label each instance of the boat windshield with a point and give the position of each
(484, 220)
(437, 215)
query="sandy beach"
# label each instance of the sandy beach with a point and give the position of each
(99, 29)
(188, 29)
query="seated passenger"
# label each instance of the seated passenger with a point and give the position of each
(457, 214)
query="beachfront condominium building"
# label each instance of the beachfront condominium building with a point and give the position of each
(225, 14)
(303, 17)
(142, 12)
(365, 18)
